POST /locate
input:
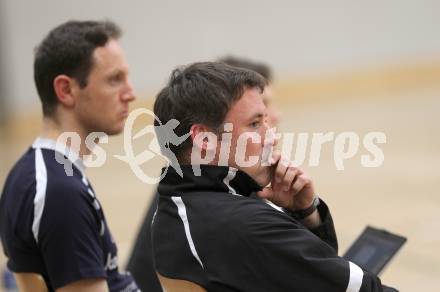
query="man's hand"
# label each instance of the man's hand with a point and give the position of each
(290, 187)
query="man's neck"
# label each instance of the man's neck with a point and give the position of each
(53, 129)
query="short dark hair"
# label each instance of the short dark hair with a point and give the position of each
(68, 49)
(202, 93)
(261, 68)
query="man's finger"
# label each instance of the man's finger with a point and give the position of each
(280, 172)
(299, 184)
(289, 178)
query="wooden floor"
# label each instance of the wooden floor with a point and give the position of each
(402, 195)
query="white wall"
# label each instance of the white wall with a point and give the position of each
(3, 94)
(297, 37)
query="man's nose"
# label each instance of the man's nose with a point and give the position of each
(128, 94)
(270, 133)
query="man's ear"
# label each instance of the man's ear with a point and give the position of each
(203, 137)
(64, 87)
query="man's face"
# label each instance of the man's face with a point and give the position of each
(273, 115)
(102, 106)
(249, 117)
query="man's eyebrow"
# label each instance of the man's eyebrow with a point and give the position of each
(257, 115)
(116, 71)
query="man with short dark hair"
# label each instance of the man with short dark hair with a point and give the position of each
(208, 229)
(52, 225)
(140, 262)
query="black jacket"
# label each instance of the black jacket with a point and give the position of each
(209, 230)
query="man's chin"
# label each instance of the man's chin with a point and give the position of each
(265, 181)
(114, 131)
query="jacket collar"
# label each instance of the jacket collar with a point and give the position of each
(212, 178)
(69, 153)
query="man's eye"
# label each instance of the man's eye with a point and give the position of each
(115, 79)
(255, 124)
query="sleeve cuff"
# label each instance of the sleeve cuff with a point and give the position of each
(326, 231)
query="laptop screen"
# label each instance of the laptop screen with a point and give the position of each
(374, 248)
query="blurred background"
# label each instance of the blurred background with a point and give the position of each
(339, 66)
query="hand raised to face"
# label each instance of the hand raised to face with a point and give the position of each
(290, 187)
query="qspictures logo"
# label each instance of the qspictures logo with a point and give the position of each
(294, 147)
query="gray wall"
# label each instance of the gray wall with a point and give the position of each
(4, 109)
(296, 37)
